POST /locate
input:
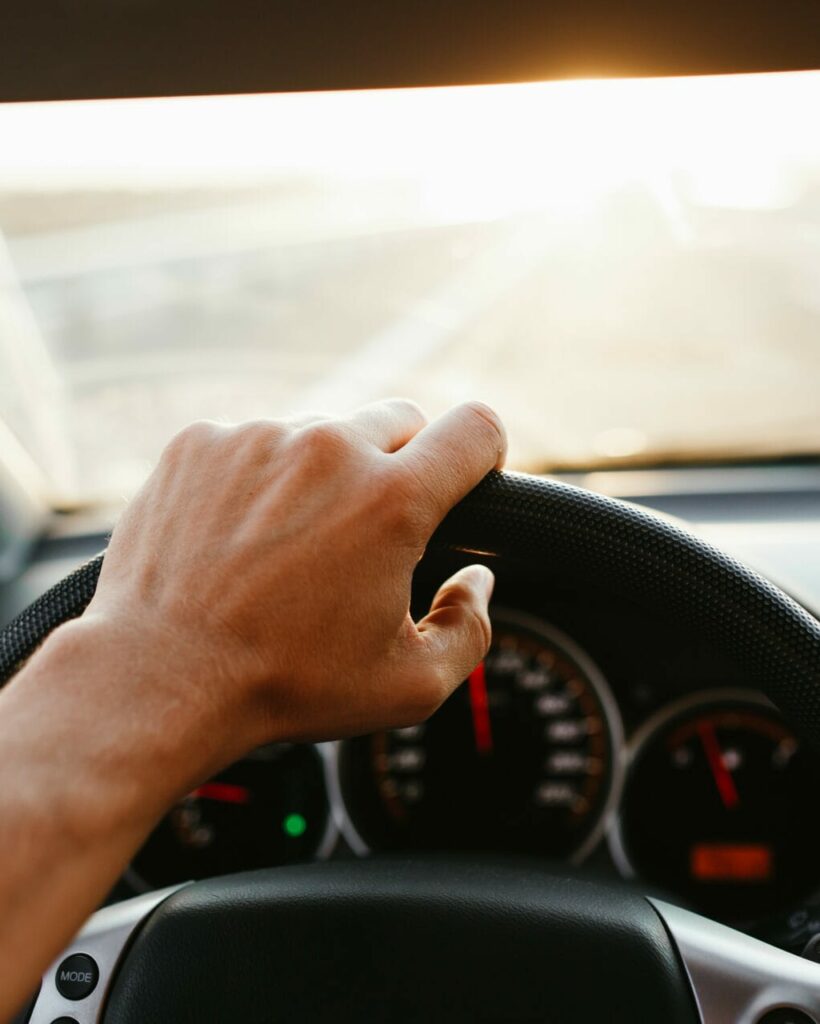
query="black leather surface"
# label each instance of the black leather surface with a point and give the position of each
(401, 941)
(658, 565)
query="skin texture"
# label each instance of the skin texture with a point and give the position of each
(256, 590)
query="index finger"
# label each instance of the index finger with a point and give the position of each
(453, 453)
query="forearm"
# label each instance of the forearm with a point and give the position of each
(87, 764)
(225, 618)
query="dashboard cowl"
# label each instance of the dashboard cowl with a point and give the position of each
(430, 940)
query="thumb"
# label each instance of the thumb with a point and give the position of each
(456, 632)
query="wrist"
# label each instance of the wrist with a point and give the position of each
(111, 735)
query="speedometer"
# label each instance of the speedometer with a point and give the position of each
(522, 757)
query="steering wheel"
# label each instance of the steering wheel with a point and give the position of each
(435, 940)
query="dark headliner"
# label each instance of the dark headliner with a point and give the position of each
(69, 49)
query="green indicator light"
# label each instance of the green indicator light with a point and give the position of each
(294, 826)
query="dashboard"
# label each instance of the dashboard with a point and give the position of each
(592, 738)
(588, 738)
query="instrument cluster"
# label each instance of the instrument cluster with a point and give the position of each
(700, 791)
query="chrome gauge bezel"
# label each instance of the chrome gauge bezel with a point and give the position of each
(611, 714)
(340, 822)
(645, 733)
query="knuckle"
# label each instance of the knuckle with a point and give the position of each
(407, 407)
(487, 420)
(457, 592)
(194, 435)
(325, 438)
(460, 610)
(261, 433)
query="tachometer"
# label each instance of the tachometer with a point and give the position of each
(523, 757)
(719, 806)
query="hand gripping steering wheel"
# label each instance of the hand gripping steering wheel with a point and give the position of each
(442, 940)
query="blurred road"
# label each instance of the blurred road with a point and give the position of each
(643, 325)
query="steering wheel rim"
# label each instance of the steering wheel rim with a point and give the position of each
(632, 554)
(626, 550)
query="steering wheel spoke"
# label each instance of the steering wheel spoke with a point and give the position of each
(88, 963)
(737, 979)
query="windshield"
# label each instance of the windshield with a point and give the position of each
(626, 270)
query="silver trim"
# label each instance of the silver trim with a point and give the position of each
(103, 938)
(338, 807)
(323, 850)
(646, 731)
(332, 830)
(612, 715)
(735, 978)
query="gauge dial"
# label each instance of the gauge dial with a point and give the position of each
(268, 809)
(719, 806)
(520, 758)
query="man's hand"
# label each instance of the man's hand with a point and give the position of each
(256, 589)
(273, 561)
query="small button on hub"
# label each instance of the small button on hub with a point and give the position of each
(786, 1015)
(64, 1020)
(77, 976)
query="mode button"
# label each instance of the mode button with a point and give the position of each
(77, 976)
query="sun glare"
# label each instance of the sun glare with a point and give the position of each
(625, 269)
(480, 152)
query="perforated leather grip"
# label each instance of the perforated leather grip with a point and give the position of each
(65, 600)
(626, 550)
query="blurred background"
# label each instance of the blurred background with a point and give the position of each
(629, 271)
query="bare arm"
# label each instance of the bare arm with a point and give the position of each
(245, 545)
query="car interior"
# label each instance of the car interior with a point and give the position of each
(604, 222)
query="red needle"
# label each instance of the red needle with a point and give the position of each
(720, 773)
(481, 710)
(223, 792)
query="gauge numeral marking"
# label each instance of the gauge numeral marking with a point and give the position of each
(549, 704)
(573, 762)
(407, 759)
